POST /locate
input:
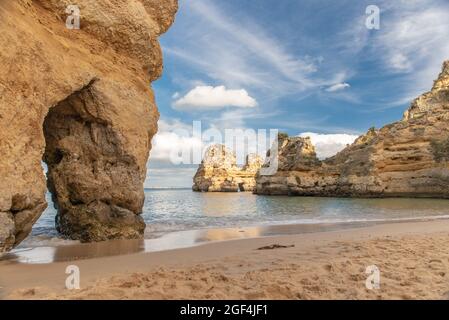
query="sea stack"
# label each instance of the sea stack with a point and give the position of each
(80, 100)
(219, 172)
(408, 158)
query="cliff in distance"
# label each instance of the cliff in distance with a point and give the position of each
(219, 172)
(408, 158)
(81, 101)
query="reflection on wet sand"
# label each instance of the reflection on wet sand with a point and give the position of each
(40, 255)
(175, 240)
(168, 211)
(229, 234)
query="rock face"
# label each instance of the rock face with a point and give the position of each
(406, 158)
(80, 100)
(219, 172)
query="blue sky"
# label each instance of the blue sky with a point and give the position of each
(298, 66)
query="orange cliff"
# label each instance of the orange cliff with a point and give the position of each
(81, 101)
(408, 158)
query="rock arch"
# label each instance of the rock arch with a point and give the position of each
(95, 184)
(81, 100)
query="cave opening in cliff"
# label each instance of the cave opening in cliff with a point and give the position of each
(63, 132)
(71, 132)
(93, 182)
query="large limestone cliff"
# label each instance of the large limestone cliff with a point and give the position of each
(219, 172)
(81, 101)
(406, 158)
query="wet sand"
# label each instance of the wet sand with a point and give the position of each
(74, 250)
(413, 259)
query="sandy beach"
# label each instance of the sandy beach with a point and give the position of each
(412, 257)
(224, 150)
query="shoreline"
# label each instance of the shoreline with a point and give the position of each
(185, 239)
(394, 244)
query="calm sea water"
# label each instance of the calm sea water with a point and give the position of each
(167, 211)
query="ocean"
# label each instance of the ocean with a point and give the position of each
(168, 211)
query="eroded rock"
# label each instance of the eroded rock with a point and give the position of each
(406, 158)
(81, 101)
(219, 172)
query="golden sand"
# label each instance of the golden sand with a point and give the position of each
(413, 260)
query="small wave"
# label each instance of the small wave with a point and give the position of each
(45, 241)
(157, 230)
(167, 211)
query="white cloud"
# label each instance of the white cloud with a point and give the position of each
(173, 124)
(338, 87)
(169, 177)
(164, 143)
(253, 39)
(328, 145)
(408, 50)
(414, 42)
(237, 118)
(234, 49)
(208, 97)
(259, 43)
(172, 135)
(400, 62)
